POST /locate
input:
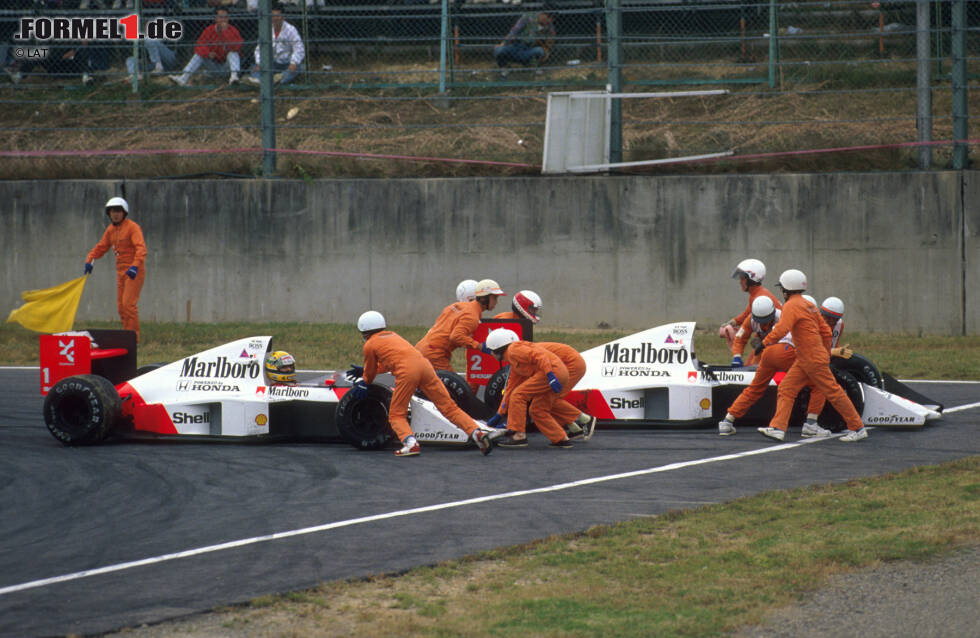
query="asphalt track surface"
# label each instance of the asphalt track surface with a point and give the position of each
(99, 538)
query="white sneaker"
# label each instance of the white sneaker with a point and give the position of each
(725, 428)
(178, 80)
(233, 79)
(412, 448)
(277, 78)
(812, 429)
(483, 441)
(158, 68)
(855, 435)
(87, 79)
(773, 433)
(253, 80)
(588, 429)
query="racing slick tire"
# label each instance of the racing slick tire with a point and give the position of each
(494, 392)
(82, 410)
(149, 367)
(829, 417)
(463, 395)
(364, 422)
(861, 368)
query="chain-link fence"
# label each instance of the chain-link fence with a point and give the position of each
(444, 79)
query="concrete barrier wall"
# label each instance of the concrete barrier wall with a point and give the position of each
(902, 250)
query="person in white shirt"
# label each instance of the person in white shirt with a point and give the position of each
(287, 50)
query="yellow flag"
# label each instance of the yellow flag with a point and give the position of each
(51, 309)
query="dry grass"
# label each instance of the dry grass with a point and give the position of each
(478, 123)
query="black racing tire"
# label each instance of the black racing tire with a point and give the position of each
(364, 422)
(829, 417)
(149, 367)
(861, 368)
(82, 410)
(461, 393)
(494, 392)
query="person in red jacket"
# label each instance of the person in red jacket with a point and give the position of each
(537, 378)
(812, 366)
(217, 49)
(750, 273)
(385, 351)
(125, 237)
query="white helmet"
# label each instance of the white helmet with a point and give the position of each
(501, 337)
(528, 304)
(487, 287)
(754, 269)
(813, 302)
(117, 202)
(792, 280)
(832, 307)
(466, 290)
(370, 320)
(763, 309)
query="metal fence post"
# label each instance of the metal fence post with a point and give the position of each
(960, 124)
(773, 51)
(923, 105)
(443, 46)
(615, 34)
(137, 62)
(267, 98)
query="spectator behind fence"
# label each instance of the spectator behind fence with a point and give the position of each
(287, 50)
(217, 49)
(530, 40)
(161, 57)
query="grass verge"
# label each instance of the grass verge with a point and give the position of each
(687, 573)
(334, 346)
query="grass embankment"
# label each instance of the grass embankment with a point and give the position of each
(334, 346)
(697, 572)
(826, 106)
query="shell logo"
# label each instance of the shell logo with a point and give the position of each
(261, 419)
(705, 404)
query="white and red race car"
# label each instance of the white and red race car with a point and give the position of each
(654, 378)
(220, 393)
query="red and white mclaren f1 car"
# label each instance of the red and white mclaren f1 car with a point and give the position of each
(220, 393)
(654, 378)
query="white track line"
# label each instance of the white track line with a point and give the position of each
(960, 408)
(396, 514)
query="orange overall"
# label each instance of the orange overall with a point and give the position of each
(527, 385)
(778, 357)
(508, 315)
(126, 241)
(563, 411)
(744, 332)
(453, 329)
(817, 400)
(812, 367)
(385, 351)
